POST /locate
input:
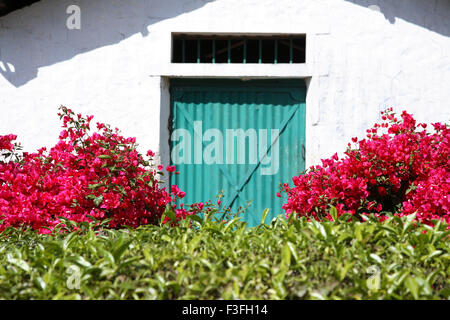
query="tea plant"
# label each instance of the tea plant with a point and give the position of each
(207, 259)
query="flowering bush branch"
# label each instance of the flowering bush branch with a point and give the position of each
(83, 177)
(399, 167)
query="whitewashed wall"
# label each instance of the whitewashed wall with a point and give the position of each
(359, 61)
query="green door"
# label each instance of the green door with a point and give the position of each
(242, 137)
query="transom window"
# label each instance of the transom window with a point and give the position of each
(272, 49)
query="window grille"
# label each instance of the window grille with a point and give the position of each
(269, 49)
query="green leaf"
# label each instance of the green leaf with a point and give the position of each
(22, 264)
(81, 261)
(170, 214)
(358, 234)
(412, 286)
(431, 255)
(344, 269)
(293, 250)
(98, 200)
(229, 225)
(286, 256)
(195, 218)
(68, 239)
(333, 213)
(95, 186)
(376, 258)
(120, 248)
(264, 215)
(345, 217)
(320, 228)
(412, 187)
(104, 156)
(108, 255)
(40, 283)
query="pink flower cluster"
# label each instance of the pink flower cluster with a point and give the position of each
(6, 142)
(399, 167)
(84, 176)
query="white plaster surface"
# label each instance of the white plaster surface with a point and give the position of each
(359, 61)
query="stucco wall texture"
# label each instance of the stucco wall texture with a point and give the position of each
(359, 61)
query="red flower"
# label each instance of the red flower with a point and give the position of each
(170, 168)
(84, 175)
(383, 167)
(382, 191)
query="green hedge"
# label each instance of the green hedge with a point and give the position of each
(211, 260)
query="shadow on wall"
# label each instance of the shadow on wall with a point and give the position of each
(37, 36)
(433, 15)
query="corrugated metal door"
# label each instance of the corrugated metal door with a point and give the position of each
(242, 137)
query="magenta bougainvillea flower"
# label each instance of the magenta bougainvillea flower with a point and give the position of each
(84, 176)
(399, 167)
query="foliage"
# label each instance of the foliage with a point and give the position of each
(206, 259)
(399, 168)
(84, 176)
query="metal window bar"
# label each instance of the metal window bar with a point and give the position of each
(198, 50)
(229, 51)
(245, 51)
(275, 55)
(183, 53)
(214, 50)
(259, 50)
(291, 51)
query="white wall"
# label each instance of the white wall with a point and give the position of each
(359, 61)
